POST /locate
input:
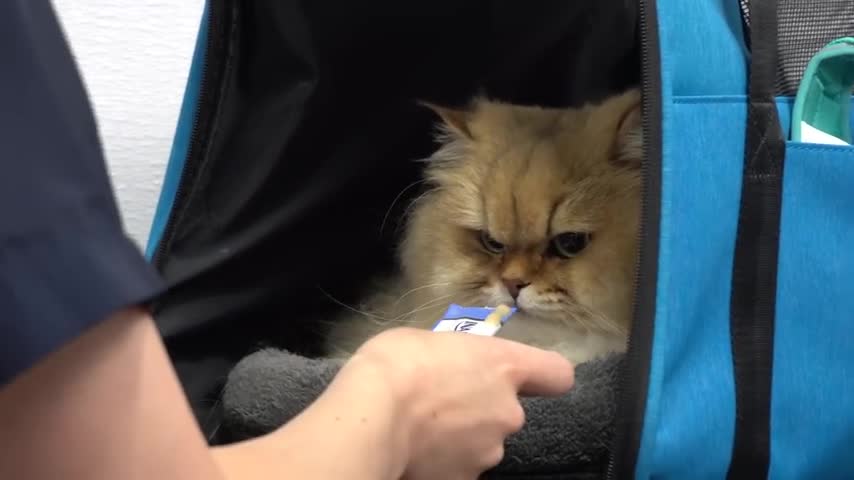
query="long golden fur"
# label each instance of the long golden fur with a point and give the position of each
(506, 182)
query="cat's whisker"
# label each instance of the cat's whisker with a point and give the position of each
(603, 322)
(592, 320)
(572, 314)
(394, 202)
(428, 304)
(366, 314)
(579, 319)
(425, 306)
(422, 287)
(609, 325)
(612, 326)
(417, 199)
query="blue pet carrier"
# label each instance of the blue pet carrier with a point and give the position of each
(741, 354)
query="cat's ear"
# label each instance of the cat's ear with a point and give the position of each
(630, 136)
(457, 119)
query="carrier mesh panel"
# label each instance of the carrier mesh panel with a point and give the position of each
(805, 27)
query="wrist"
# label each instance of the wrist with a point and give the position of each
(357, 429)
(380, 398)
(354, 430)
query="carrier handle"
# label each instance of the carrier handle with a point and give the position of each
(754, 274)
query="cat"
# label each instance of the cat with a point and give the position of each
(532, 206)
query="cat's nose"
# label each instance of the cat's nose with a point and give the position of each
(514, 286)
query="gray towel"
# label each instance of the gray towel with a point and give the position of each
(564, 438)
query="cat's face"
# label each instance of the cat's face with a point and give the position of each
(534, 206)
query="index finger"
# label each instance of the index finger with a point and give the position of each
(539, 372)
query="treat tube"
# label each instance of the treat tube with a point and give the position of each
(495, 317)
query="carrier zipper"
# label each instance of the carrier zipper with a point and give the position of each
(631, 403)
(204, 108)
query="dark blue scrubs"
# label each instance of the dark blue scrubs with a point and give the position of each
(65, 261)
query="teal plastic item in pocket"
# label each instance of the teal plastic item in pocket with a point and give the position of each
(822, 106)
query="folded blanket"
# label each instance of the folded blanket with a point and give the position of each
(564, 438)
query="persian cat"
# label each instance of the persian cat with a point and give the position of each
(537, 207)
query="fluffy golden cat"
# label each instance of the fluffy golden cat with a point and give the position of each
(534, 206)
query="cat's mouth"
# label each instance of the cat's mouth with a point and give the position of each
(527, 301)
(554, 306)
(524, 306)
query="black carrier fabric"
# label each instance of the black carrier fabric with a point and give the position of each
(307, 130)
(804, 27)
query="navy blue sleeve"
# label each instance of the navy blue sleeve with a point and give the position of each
(65, 261)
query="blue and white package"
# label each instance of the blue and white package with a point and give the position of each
(485, 321)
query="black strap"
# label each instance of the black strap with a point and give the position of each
(754, 276)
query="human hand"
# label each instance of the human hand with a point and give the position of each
(457, 395)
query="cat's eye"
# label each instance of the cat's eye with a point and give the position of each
(490, 244)
(569, 244)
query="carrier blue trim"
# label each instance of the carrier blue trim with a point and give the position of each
(688, 425)
(812, 391)
(181, 141)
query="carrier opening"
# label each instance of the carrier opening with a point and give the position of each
(304, 147)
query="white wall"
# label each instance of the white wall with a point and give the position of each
(134, 57)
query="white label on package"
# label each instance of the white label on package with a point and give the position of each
(467, 325)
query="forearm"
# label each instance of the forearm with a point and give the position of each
(105, 406)
(109, 406)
